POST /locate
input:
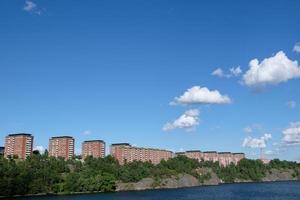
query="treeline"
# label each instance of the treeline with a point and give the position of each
(251, 170)
(43, 174)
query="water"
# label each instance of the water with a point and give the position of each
(253, 191)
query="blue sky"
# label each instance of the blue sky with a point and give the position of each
(121, 71)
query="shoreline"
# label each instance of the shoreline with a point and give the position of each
(148, 189)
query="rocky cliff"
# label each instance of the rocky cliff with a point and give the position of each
(187, 180)
(280, 175)
(183, 180)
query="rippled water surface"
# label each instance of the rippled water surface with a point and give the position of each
(253, 191)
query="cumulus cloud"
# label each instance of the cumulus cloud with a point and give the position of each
(218, 72)
(31, 7)
(235, 71)
(201, 95)
(41, 149)
(232, 72)
(291, 104)
(188, 121)
(297, 47)
(271, 71)
(257, 142)
(291, 135)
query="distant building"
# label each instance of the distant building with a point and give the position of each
(265, 161)
(237, 157)
(195, 154)
(94, 148)
(62, 146)
(210, 156)
(19, 144)
(2, 151)
(224, 158)
(124, 152)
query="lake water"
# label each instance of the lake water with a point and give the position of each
(253, 191)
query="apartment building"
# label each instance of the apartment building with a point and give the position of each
(224, 158)
(61, 146)
(19, 145)
(124, 152)
(94, 148)
(210, 156)
(195, 154)
(237, 157)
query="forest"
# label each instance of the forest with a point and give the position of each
(41, 174)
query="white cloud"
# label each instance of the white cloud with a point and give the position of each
(198, 95)
(236, 71)
(87, 132)
(291, 135)
(41, 149)
(276, 151)
(297, 47)
(269, 152)
(275, 144)
(218, 72)
(188, 121)
(31, 7)
(257, 128)
(257, 142)
(271, 71)
(291, 104)
(248, 129)
(267, 136)
(232, 72)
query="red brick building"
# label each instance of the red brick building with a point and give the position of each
(19, 145)
(124, 152)
(94, 148)
(198, 155)
(210, 156)
(237, 157)
(62, 146)
(224, 158)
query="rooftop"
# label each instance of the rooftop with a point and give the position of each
(120, 144)
(94, 141)
(209, 152)
(57, 137)
(224, 152)
(127, 144)
(20, 134)
(193, 151)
